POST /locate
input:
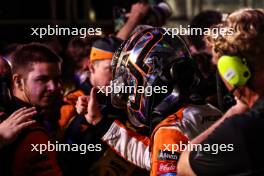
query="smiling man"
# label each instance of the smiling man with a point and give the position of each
(35, 82)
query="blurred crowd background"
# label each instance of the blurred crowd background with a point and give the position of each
(17, 16)
(81, 71)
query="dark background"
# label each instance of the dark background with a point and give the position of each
(18, 16)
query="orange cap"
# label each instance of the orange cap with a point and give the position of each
(99, 54)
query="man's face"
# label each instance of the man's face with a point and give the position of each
(42, 87)
(101, 73)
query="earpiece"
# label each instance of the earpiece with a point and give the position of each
(233, 70)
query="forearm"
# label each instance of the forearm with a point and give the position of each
(207, 132)
(126, 30)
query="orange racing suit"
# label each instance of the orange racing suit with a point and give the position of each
(160, 153)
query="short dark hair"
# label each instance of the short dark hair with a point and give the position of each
(27, 54)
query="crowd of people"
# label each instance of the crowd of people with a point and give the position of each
(212, 96)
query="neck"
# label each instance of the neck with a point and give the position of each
(21, 96)
(249, 97)
(252, 100)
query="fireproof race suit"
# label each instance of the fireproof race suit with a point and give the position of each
(160, 152)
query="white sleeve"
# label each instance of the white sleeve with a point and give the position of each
(130, 145)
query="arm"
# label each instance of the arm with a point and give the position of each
(184, 166)
(138, 11)
(240, 107)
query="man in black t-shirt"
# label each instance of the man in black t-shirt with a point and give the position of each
(244, 153)
(233, 145)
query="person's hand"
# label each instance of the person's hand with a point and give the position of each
(239, 107)
(138, 11)
(15, 123)
(93, 115)
(82, 104)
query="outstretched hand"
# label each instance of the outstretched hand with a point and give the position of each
(138, 11)
(15, 123)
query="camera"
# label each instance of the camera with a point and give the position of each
(156, 16)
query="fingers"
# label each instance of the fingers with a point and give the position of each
(21, 112)
(16, 112)
(93, 95)
(83, 99)
(81, 104)
(20, 116)
(25, 117)
(139, 7)
(19, 120)
(24, 125)
(94, 115)
(29, 111)
(93, 100)
(127, 15)
(81, 110)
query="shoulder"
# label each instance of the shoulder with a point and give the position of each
(204, 115)
(205, 109)
(197, 118)
(28, 145)
(32, 136)
(247, 123)
(251, 120)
